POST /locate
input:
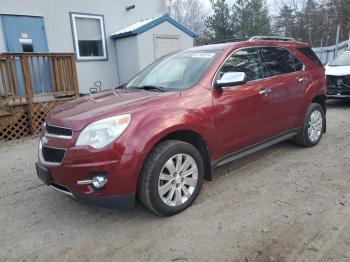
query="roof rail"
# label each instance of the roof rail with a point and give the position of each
(272, 38)
(229, 40)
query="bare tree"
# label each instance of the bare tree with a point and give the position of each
(313, 21)
(190, 13)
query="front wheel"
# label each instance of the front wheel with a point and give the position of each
(171, 177)
(314, 126)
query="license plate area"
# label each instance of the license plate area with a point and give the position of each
(44, 174)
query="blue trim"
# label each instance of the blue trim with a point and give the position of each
(152, 24)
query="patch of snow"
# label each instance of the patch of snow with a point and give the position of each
(136, 26)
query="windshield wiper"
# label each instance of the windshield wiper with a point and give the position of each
(150, 87)
(120, 87)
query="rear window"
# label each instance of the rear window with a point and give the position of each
(279, 61)
(311, 55)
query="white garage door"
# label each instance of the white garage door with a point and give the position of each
(166, 44)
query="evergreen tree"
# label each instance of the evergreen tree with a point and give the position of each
(218, 25)
(250, 17)
(285, 21)
(312, 21)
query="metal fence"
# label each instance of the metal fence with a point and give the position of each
(328, 53)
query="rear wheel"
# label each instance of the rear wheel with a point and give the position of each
(171, 177)
(314, 124)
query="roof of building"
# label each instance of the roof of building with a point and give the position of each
(145, 25)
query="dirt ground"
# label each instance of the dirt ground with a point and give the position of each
(285, 203)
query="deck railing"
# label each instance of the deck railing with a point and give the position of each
(26, 75)
(31, 84)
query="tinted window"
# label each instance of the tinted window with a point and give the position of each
(299, 66)
(245, 60)
(278, 61)
(311, 55)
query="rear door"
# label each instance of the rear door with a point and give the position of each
(287, 81)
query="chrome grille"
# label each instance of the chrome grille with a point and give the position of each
(58, 131)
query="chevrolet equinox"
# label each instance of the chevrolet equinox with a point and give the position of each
(165, 131)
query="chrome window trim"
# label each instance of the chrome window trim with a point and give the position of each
(264, 78)
(41, 157)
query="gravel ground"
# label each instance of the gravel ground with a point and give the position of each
(282, 204)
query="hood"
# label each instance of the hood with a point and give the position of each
(337, 70)
(83, 111)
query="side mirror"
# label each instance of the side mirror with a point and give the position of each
(231, 79)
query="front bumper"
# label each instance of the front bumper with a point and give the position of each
(121, 202)
(338, 92)
(338, 86)
(338, 96)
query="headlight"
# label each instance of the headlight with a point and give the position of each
(103, 132)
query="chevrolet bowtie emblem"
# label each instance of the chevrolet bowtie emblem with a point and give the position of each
(44, 140)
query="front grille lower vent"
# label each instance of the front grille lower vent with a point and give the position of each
(53, 155)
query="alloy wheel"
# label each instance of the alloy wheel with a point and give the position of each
(315, 125)
(178, 180)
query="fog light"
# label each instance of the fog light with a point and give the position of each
(99, 181)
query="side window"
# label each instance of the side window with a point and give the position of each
(299, 66)
(244, 60)
(279, 61)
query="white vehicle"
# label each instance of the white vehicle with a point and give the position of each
(338, 76)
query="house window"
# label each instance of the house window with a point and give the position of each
(89, 37)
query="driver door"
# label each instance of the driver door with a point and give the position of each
(242, 113)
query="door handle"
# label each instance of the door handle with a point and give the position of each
(302, 79)
(265, 91)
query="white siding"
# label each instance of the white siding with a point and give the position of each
(128, 58)
(146, 41)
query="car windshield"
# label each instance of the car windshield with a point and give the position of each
(342, 60)
(174, 72)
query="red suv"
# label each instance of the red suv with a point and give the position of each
(158, 136)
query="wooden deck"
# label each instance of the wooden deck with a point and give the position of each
(31, 84)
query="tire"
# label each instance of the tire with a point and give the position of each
(305, 138)
(152, 187)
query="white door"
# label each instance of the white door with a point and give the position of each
(165, 45)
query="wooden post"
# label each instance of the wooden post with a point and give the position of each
(75, 77)
(10, 76)
(2, 76)
(28, 88)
